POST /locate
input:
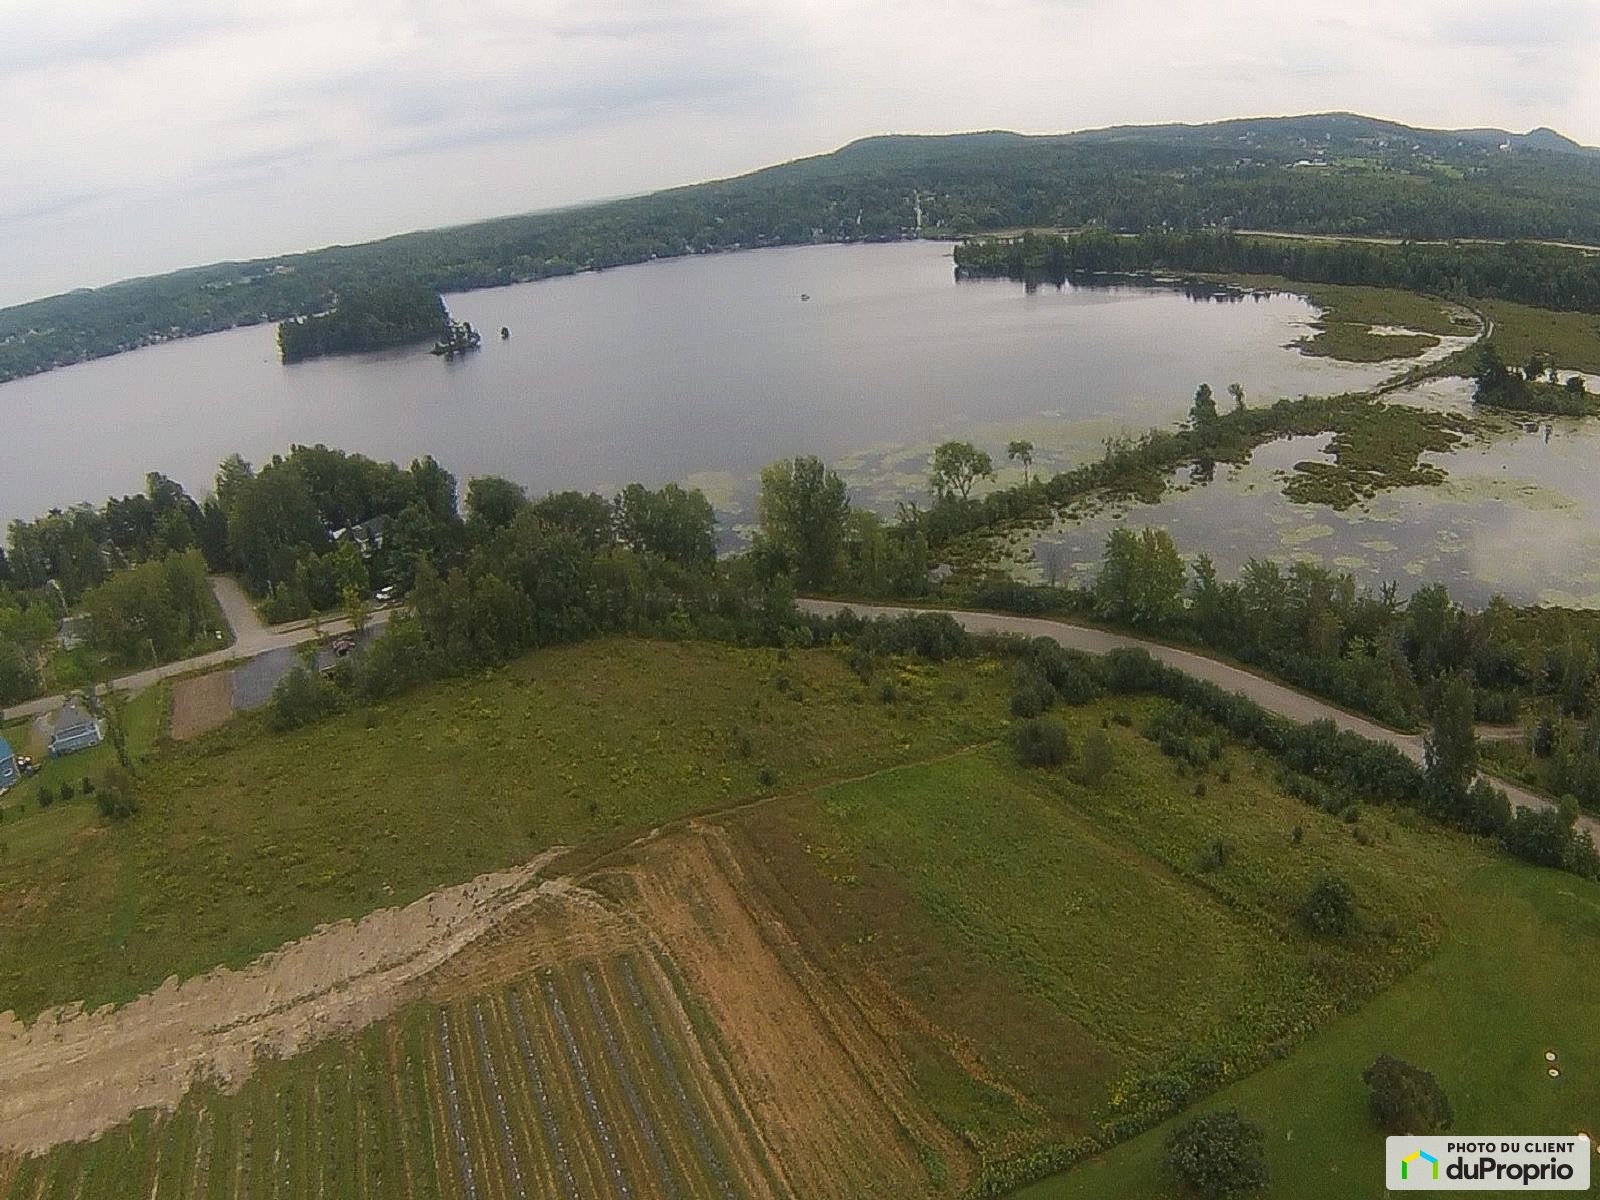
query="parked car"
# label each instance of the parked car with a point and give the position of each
(387, 595)
(343, 645)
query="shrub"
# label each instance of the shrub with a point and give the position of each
(1099, 755)
(87, 786)
(115, 794)
(1215, 856)
(1075, 676)
(46, 796)
(1039, 743)
(1219, 1156)
(1032, 693)
(1329, 909)
(887, 692)
(66, 792)
(1406, 1099)
(302, 697)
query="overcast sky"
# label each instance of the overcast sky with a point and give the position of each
(144, 135)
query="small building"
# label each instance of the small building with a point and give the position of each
(366, 537)
(74, 631)
(74, 729)
(8, 765)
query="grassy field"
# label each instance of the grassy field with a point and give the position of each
(1573, 339)
(1520, 953)
(247, 840)
(1018, 910)
(986, 959)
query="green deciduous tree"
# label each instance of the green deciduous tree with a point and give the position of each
(803, 510)
(1021, 451)
(1406, 1099)
(956, 467)
(673, 522)
(1219, 1156)
(493, 503)
(1141, 578)
(1450, 749)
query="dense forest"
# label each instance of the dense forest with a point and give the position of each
(369, 319)
(1334, 174)
(1543, 276)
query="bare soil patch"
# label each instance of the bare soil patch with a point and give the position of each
(200, 705)
(71, 1075)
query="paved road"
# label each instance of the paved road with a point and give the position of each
(1273, 696)
(250, 639)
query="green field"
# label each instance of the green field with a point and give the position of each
(1572, 338)
(1051, 960)
(1512, 979)
(1076, 940)
(247, 839)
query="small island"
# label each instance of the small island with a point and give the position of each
(369, 319)
(459, 337)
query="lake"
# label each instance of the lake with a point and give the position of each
(700, 368)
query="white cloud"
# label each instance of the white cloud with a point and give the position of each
(144, 136)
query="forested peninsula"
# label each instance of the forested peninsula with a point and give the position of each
(370, 319)
(1329, 174)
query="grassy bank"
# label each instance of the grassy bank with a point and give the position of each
(1520, 948)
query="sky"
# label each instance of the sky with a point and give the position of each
(143, 136)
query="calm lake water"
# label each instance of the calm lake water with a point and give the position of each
(704, 368)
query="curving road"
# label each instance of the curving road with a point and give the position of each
(1271, 695)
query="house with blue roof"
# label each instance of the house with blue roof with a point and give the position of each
(8, 765)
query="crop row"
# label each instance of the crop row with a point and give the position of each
(576, 1083)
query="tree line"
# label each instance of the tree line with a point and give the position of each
(1543, 276)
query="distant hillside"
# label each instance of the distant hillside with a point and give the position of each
(1329, 173)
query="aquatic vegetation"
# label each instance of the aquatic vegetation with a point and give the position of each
(1376, 448)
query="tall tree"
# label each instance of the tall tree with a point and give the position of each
(803, 509)
(1450, 751)
(1141, 578)
(1021, 451)
(956, 466)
